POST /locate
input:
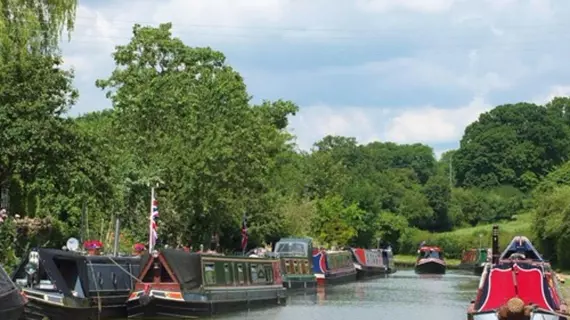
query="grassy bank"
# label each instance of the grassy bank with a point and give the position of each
(454, 242)
(408, 261)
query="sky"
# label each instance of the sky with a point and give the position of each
(405, 71)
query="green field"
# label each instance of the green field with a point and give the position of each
(410, 260)
(454, 242)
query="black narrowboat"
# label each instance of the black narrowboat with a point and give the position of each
(430, 261)
(68, 285)
(296, 262)
(180, 284)
(12, 300)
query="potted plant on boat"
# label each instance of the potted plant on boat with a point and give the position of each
(93, 247)
(138, 249)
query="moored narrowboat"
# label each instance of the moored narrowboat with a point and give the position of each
(180, 284)
(430, 261)
(372, 262)
(333, 267)
(295, 255)
(68, 285)
(474, 260)
(12, 301)
(518, 284)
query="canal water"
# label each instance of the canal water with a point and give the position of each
(401, 296)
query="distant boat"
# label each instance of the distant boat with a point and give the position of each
(12, 300)
(518, 284)
(333, 267)
(430, 261)
(373, 262)
(474, 260)
(180, 284)
(69, 285)
(295, 255)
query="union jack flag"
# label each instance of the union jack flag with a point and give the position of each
(153, 222)
(244, 233)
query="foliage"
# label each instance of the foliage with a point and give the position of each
(182, 121)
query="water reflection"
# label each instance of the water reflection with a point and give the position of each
(403, 295)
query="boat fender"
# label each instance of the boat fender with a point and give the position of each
(514, 309)
(144, 299)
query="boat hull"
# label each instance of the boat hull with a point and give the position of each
(294, 283)
(11, 305)
(335, 278)
(36, 310)
(430, 267)
(153, 306)
(363, 272)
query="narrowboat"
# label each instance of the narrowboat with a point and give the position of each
(180, 284)
(69, 285)
(372, 262)
(517, 284)
(430, 261)
(474, 260)
(12, 301)
(333, 267)
(295, 255)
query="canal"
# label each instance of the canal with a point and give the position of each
(402, 296)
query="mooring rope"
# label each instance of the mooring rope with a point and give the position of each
(125, 270)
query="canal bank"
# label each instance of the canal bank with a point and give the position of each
(409, 261)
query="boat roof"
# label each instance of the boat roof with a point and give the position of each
(430, 248)
(516, 279)
(52, 261)
(521, 243)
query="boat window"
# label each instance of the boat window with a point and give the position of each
(307, 269)
(210, 273)
(228, 274)
(288, 266)
(240, 274)
(253, 269)
(296, 266)
(268, 274)
(291, 248)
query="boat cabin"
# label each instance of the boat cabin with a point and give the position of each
(330, 261)
(180, 271)
(50, 275)
(426, 252)
(295, 255)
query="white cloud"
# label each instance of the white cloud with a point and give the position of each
(555, 91)
(313, 123)
(434, 125)
(430, 125)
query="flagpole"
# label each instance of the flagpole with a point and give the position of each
(150, 236)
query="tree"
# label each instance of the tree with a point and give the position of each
(185, 115)
(34, 26)
(514, 144)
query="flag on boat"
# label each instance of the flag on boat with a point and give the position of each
(153, 221)
(244, 233)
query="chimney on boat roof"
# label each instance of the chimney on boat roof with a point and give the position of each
(495, 247)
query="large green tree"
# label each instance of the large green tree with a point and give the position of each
(184, 115)
(514, 144)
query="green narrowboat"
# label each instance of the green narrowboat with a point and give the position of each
(296, 258)
(474, 260)
(180, 284)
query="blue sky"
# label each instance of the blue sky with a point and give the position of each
(390, 70)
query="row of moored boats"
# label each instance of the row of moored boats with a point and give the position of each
(175, 283)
